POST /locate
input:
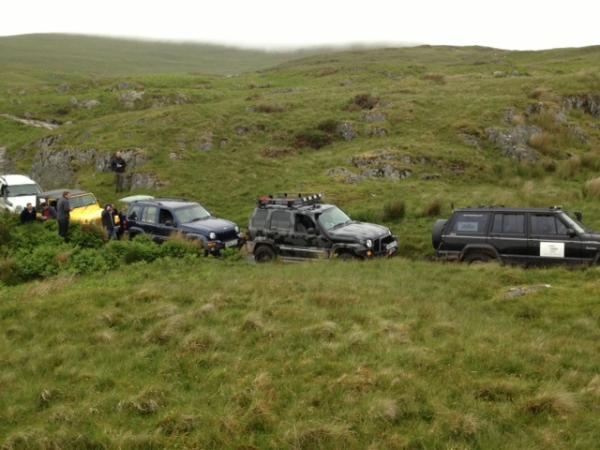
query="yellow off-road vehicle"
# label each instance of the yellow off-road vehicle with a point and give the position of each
(84, 206)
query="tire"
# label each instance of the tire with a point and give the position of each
(347, 256)
(477, 258)
(436, 233)
(264, 254)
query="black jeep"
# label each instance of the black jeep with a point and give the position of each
(160, 218)
(303, 228)
(542, 236)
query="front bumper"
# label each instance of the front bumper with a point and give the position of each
(383, 247)
(215, 247)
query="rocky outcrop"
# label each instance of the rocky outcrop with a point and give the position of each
(129, 99)
(6, 165)
(56, 168)
(85, 104)
(375, 116)
(588, 103)
(514, 142)
(346, 131)
(378, 165)
(144, 181)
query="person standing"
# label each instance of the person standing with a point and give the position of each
(63, 215)
(48, 212)
(108, 221)
(28, 214)
(118, 165)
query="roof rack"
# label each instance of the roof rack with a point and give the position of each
(290, 202)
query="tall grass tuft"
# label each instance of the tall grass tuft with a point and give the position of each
(394, 210)
(591, 189)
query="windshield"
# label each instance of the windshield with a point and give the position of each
(572, 223)
(191, 214)
(82, 201)
(20, 190)
(333, 217)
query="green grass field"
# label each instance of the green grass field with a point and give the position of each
(406, 353)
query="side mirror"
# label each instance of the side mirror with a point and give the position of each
(579, 216)
(169, 223)
(571, 232)
(312, 231)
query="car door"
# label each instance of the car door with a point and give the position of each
(166, 225)
(508, 236)
(280, 232)
(550, 242)
(307, 240)
(149, 222)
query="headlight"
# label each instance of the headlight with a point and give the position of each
(237, 229)
(369, 243)
(212, 236)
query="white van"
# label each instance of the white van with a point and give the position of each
(16, 191)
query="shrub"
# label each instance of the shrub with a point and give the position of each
(41, 262)
(34, 235)
(394, 210)
(365, 101)
(87, 235)
(328, 126)
(9, 271)
(433, 208)
(140, 249)
(590, 161)
(591, 188)
(91, 260)
(571, 166)
(7, 223)
(179, 246)
(543, 143)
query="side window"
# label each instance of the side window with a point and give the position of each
(303, 223)
(544, 225)
(561, 228)
(509, 224)
(165, 216)
(259, 220)
(470, 223)
(2, 190)
(134, 212)
(150, 214)
(280, 220)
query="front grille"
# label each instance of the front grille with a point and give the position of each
(227, 235)
(379, 245)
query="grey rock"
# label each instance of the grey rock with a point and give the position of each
(499, 74)
(579, 133)
(375, 116)
(521, 291)
(588, 103)
(204, 143)
(346, 131)
(6, 164)
(142, 181)
(378, 132)
(514, 143)
(224, 143)
(89, 104)
(130, 98)
(28, 120)
(470, 140)
(242, 130)
(175, 156)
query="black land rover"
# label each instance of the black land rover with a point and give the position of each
(160, 218)
(303, 228)
(540, 236)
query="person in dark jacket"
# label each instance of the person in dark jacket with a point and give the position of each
(48, 212)
(118, 165)
(108, 221)
(28, 214)
(63, 215)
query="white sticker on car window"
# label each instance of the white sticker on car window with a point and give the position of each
(552, 249)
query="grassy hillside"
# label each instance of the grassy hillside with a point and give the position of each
(212, 354)
(48, 53)
(200, 353)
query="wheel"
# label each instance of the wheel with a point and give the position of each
(476, 258)
(264, 254)
(347, 256)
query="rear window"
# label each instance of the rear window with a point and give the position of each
(281, 220)
(470, 223)
(509, 224)
(259, 219)
(134, 212)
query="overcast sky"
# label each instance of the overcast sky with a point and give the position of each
(509, 24)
